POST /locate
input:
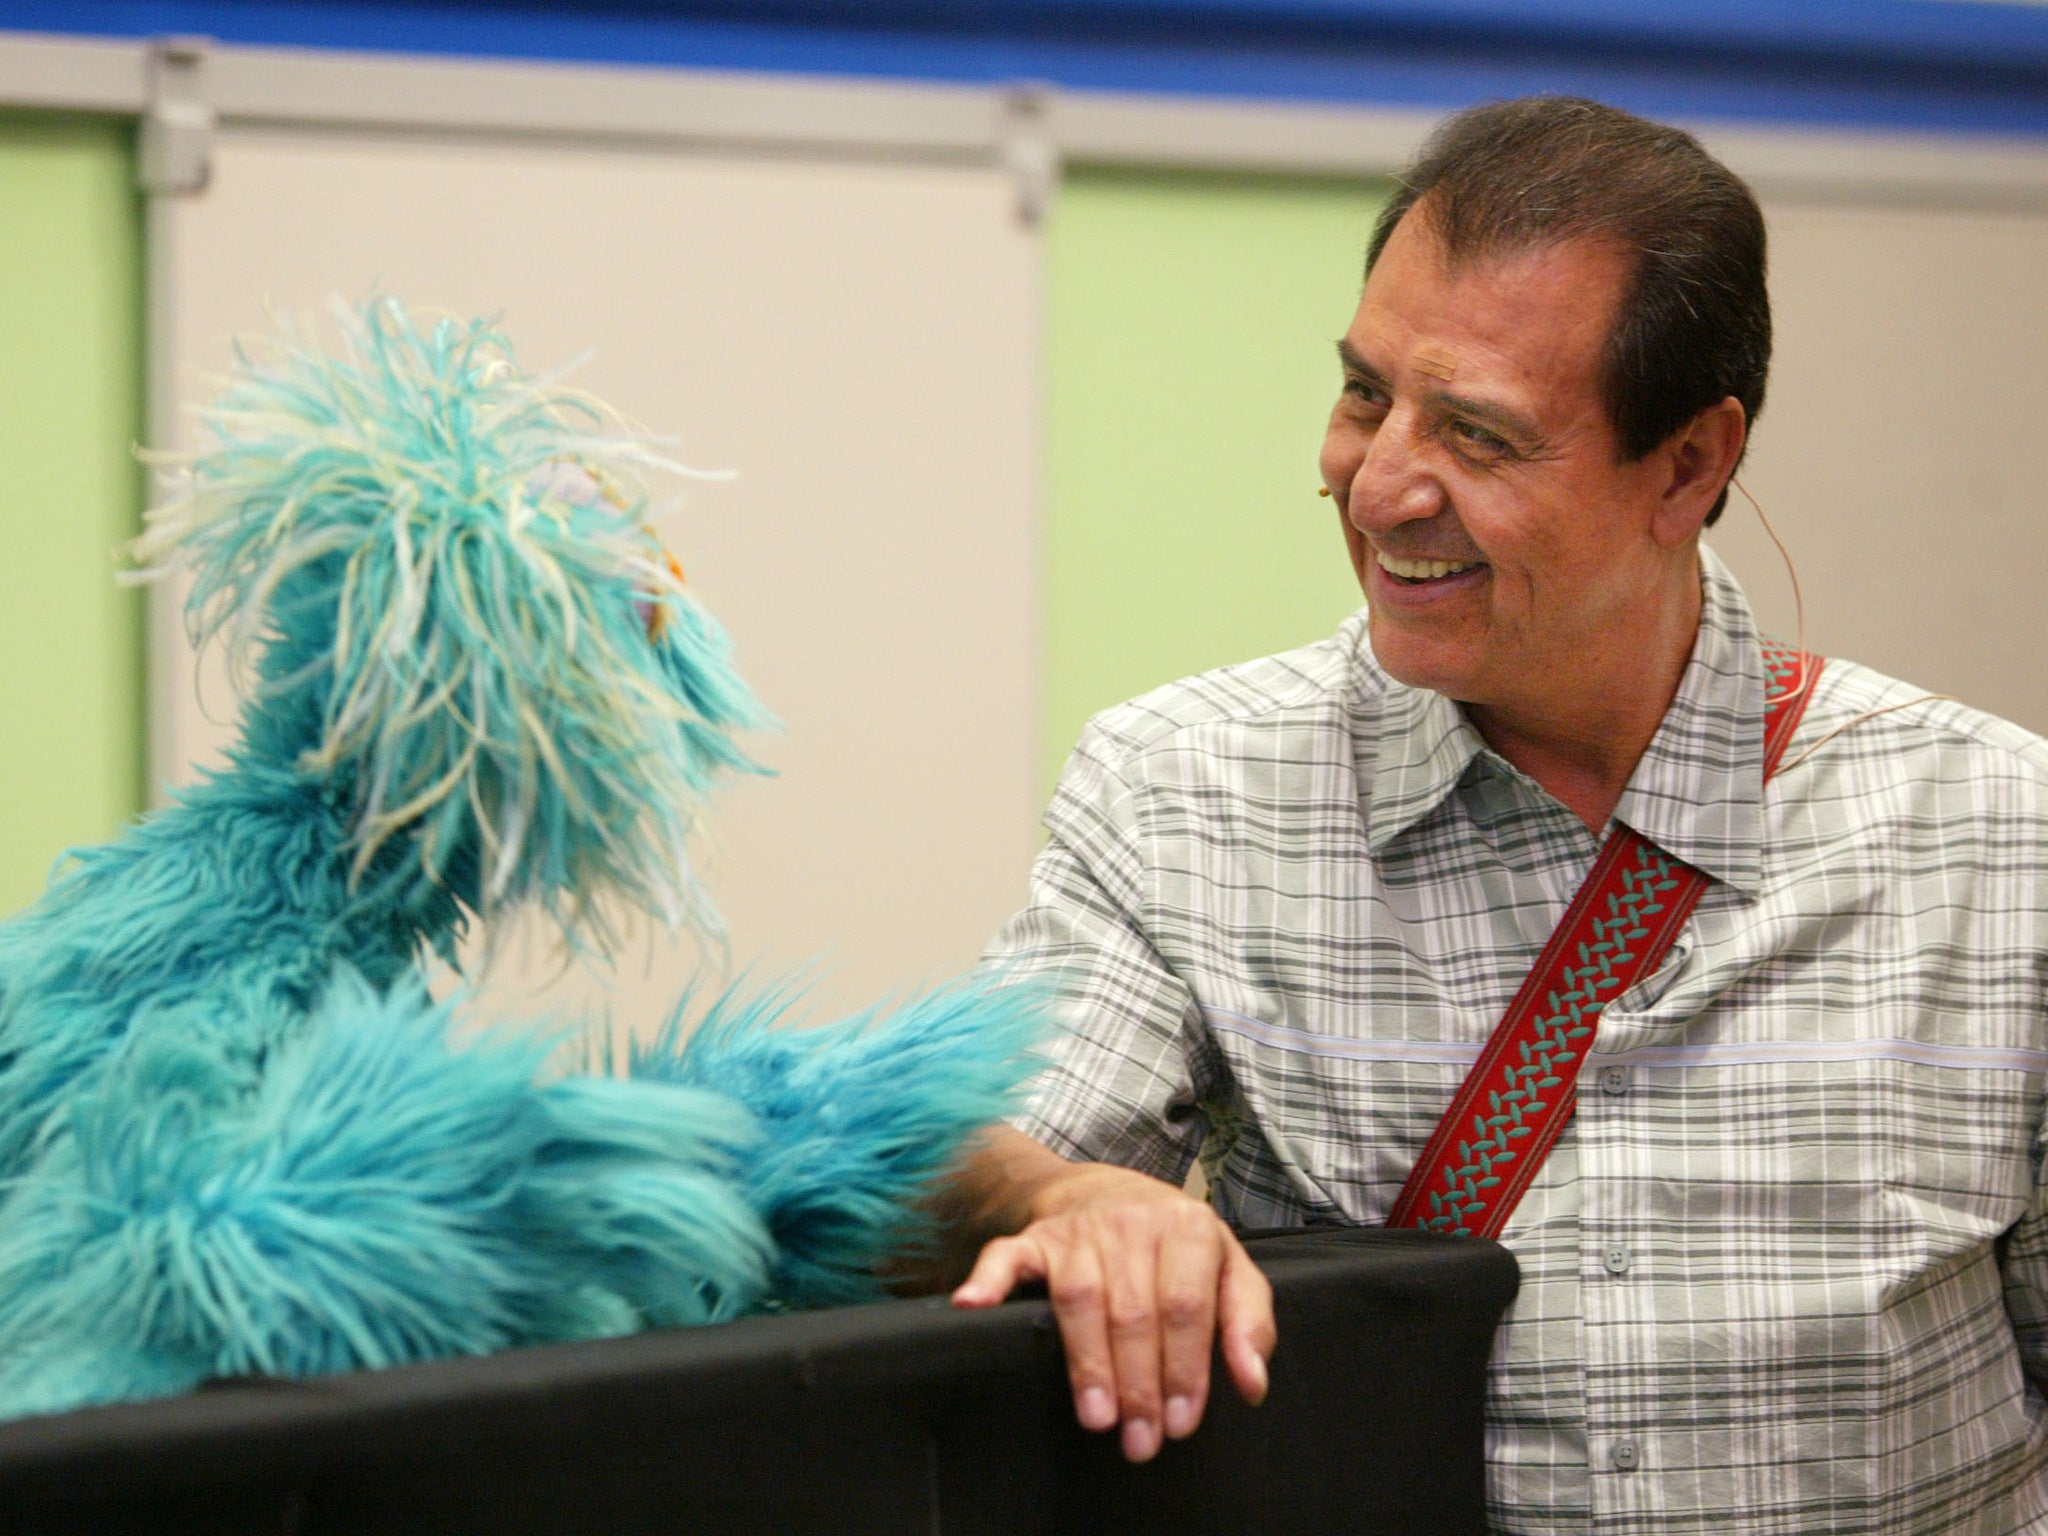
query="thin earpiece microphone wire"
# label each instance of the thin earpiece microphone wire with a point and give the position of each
(1807, 675)
(1810, 675)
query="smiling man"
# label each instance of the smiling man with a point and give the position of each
(1786, 1267)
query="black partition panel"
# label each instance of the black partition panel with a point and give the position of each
(900, 1419)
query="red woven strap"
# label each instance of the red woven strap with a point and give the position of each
(1514, 1103)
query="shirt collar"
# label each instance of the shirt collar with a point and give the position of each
(1698, 791)
(1422, 748)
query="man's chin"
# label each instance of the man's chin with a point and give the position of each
(1421, 663)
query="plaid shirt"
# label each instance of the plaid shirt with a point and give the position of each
(1787, 1270)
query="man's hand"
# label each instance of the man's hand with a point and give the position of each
(1143, 1280)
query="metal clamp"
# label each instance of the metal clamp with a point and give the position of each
(1028, 150)
(174, 146)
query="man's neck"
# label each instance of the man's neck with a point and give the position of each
(1584, 749)
(1587, 776)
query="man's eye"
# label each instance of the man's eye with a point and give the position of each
(1478, 438)
(1364, 391)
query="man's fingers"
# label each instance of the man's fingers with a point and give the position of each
(1190, 1260)
(1144, 1283)
(1002, 1266)
(1244, 1322)
(1131, 1292)
(1074, 1281)
(1080, 1305)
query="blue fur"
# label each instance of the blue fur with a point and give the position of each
(236, 1136)
(858, 1116)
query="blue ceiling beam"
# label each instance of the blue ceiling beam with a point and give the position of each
(1957, 65)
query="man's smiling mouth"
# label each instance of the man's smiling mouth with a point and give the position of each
(1422, 570)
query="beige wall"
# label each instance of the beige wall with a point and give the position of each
(1903, 452)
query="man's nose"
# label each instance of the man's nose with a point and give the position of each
(1394, 482)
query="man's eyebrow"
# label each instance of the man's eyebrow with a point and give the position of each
(1509, 424)
(1353, 363)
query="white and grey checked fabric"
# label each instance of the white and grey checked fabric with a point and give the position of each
(1785, 1271)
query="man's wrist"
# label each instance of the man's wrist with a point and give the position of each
(1076, 1184)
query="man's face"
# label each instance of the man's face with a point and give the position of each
(1501, 545)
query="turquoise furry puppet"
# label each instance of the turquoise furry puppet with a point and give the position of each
(236, 1135)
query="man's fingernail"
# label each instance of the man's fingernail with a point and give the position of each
(1260, 1380)
(1097, 1409)
(1180, 1417)
(1141, 1440)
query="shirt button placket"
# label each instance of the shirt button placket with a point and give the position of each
(1608, 1297)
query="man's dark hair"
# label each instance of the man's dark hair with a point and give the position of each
(1694, 325)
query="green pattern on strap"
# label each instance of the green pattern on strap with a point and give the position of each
(1572, 1014)
(1781, 665)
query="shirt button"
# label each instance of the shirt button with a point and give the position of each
(1614, 1080)
(1617, 1261)
(1624, 1456)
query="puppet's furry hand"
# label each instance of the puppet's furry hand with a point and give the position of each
(858, 1117)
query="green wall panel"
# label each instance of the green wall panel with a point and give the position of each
(70, 492)
(1190, 366)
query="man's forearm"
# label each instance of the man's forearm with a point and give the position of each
(997, 1190)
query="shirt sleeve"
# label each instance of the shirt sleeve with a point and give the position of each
(1122, 1080)
(2023, 1261)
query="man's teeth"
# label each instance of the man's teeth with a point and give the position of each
(1423, 570)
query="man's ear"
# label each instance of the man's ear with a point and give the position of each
(1701, 458)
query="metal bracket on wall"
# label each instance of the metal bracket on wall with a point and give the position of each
(174, 144)
(1028, 150)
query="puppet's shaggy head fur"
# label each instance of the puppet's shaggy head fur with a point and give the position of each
(439, 575)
